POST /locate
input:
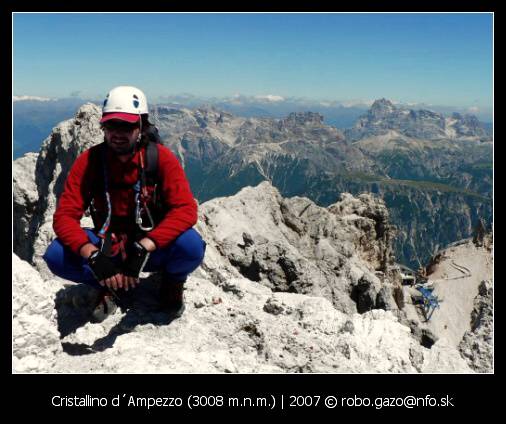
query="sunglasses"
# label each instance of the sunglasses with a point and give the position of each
(120, 126)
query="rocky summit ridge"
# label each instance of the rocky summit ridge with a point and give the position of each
(280, 290)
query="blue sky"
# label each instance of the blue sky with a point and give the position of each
(443, 59)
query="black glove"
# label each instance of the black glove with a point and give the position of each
(101, 266)
(137, 256)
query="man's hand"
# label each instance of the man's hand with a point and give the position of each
(132, 281)
(116, 282)
(87, 250)
(137, 256)
(105, 271)
(148, 244)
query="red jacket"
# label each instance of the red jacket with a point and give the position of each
(85, 183)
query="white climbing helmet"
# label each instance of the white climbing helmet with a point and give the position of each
(125, 103)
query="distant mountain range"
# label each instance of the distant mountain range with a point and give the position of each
(434, 172)
(34, 116)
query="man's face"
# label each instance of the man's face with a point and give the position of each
(121, 136)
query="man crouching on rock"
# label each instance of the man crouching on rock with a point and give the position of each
(142, 208)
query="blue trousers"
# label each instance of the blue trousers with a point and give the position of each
(178, 259)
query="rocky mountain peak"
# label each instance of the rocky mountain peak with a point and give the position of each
(381, 108)
(39, 179)
(384, 116)
(211, 115)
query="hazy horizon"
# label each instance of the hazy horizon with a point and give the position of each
(272, 101)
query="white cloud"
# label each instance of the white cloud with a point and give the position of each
(270, 98)
(37, 98)
(473, 109)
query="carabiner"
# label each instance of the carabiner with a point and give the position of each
(138, 214)
(146, 209)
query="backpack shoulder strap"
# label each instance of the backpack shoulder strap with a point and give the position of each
(151, 169)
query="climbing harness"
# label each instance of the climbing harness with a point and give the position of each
(145, 193)
(144, 218)
(141, 196)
